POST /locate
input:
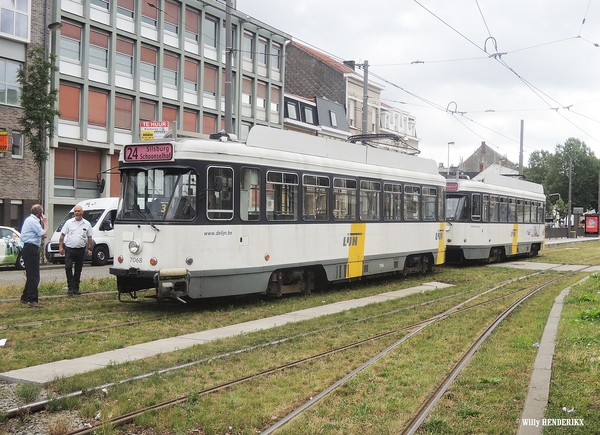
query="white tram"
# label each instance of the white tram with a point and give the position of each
(493, 218)
(283, 212)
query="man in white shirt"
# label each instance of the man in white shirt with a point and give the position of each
(75, 241)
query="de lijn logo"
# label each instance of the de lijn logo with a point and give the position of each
(351, 239)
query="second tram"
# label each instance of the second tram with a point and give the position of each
(493, 218)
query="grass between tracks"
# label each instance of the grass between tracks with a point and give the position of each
(378, 400)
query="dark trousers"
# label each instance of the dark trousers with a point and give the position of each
(31, 257)
(74, 257)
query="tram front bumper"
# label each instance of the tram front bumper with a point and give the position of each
(172, 283)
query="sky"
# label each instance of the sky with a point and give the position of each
(470, 71)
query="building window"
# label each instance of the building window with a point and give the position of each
(97, 108)
(276, 57)
(75, 173)
(17, 144)
(192, 20)
(98, 49)
(333, 119)
(209, 123)
(262, 51)
(70, 41)
(147, 111)
(275, 101)
(210, 82)
(126, 8)
(352, 112)
(171, 64)
(68, 102)
(14, 18)
(291, 110)
(309, 115)
(261, 97)
(190, 120)
(103, 4)
(124, 58)
(209, 31)
(248, 46)
(123, 112)
(172, 17)
(16, 213)
(191, 75)
(149, 14)
(148, 63)
(247, 92)
(169, 114)
(10, 91)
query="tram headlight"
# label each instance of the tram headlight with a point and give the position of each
(134, 247)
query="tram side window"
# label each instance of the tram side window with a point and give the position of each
(429, 202)
(520, 211)
(494, 209)
(485, 208)
(249, 194)
(344, 199)
(411, 203)
(512, 210)
(503, 212)
(476, 207)
(441, 208)
(316, 197)
(369, 200)
(219, 184)
(282, 196)
(392, 202)
(527, 212)
(540, 212)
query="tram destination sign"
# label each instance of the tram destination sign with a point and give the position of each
(148, 153)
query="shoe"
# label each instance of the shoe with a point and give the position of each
(69, 293)
(77, 293)
(34, 305)
(23, 301)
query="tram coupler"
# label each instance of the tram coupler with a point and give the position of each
(172, 283)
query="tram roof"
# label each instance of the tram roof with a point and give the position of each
(301, 143)
(493, 182)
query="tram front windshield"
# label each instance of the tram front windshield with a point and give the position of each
(164, 194)
(457, 207)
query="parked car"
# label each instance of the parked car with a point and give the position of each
(10, 248)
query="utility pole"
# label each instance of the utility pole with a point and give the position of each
(365, 107)
(521, 149)
(228, 70)
(569, 206)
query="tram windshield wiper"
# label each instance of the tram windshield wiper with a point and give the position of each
(143, 216)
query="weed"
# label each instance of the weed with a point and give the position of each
(467, 411)
(59, 426)
(490, 380)
(62, 403)
(590, 315)
(28, 392)
(435, 426)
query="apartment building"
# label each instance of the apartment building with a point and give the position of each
(122, 62)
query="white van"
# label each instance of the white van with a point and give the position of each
(101, 213)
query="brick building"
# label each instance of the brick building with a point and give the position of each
(25, 26)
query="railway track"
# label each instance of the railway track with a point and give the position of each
(409, 331)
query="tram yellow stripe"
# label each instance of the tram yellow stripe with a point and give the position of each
(515, 239)
(441, 257)
(356, 249)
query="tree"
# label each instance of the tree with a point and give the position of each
(38, 101)
(552, 171)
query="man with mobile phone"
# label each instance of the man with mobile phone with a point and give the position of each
(34, 229)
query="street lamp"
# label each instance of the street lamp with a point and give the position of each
(448, 170)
